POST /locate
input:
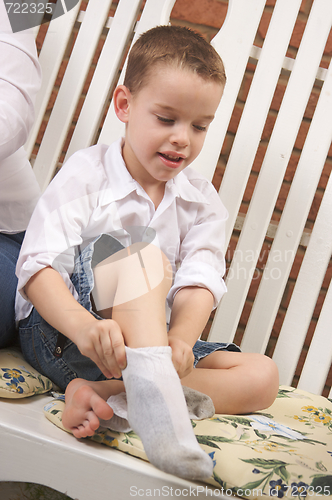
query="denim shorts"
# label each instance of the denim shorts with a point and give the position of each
(38, 339)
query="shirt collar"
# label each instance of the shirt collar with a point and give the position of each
(122, 183)
(184, 185)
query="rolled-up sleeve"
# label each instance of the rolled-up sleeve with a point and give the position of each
(201, 258)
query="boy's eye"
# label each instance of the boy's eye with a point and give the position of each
(200, 128)
(165, 120)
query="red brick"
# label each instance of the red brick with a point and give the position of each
(278, 324)
(298, 31)
(278, 96)
(296, 265)
(328, 47)
(264, 25)
(250, 188)
(287, 295)
(292, 166)
(52, 100)
(310, 333)
(247, 80)
(254, 285)
(282, 197)
(326, 173)
(259, 158)
(78, 109)
(268, 128)
(235, 119)
(218, 175)
(328, 276)
(319, 305)
(312, 103)
(245, 314)
(204, 12)
(315, 206)
(302, 134)
(227, 145)
(61, 73)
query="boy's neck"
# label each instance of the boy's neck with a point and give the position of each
(154, 188)
(155, 192)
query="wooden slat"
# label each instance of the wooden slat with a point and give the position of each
(319, 357)
(271, 175)
(306, 291)
(156, 12)
(253, 118)
(233, 42)
(70, 90)
(294, 215)
(50, 57)
(105, 75)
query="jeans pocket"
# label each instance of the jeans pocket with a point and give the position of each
(38, 344)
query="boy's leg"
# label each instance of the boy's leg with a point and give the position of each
(237, 383)
(156, 405)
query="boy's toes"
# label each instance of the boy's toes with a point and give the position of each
(101, 408)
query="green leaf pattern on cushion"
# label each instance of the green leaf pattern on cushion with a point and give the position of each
(282, 452)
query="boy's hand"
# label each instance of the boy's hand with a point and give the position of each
(182, 356)
(102, 341)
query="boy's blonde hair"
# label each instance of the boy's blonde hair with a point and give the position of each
(175, 46)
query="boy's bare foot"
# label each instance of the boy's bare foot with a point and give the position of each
(84, 407)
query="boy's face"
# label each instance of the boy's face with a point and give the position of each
(167, 121)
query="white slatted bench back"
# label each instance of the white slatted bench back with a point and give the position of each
(235, 43)
(291, 226)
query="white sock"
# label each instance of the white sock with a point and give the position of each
(200, 406)
(158, 413)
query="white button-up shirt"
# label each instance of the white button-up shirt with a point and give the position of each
(20, 79)
(95, 194)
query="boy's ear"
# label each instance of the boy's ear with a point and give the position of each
(121, 100)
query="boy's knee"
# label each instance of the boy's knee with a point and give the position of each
(268, 380)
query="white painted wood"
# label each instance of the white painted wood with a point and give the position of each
(318, 360)
(34, 450)
(294, 216)
(305, 294)
(50, 57)
(233, 43)
(270, 178)
(250, 130)
(105, 75)
(156, 12)
(70, 90)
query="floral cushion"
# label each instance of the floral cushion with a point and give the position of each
(284, 451)
(17, 378)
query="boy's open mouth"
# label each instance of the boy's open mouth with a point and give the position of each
(171, 158)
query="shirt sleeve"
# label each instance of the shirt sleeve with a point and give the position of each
(202, 259)
(20, 79)
(59, 220)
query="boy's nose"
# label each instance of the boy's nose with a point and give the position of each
(180, 136)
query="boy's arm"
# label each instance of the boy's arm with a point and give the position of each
(191, 310)
(100, 340)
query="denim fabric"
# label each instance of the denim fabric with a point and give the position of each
(38, 341)
(10, 245)
(38, 338)
(202, 349)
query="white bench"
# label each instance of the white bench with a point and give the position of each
(32, 449)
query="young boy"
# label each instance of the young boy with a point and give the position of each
(119, 232)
